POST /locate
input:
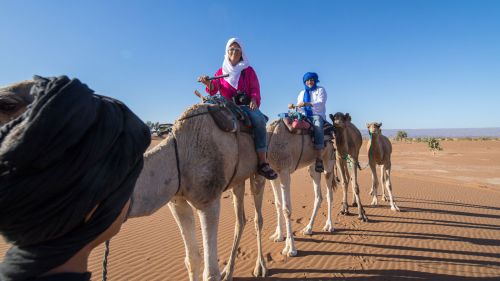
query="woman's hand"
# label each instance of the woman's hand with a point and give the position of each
(204, 80)
(253, 104)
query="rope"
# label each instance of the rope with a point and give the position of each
(105, 261)
(237, 159)
(301, 151)
(177, 163)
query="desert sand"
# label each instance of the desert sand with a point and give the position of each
(448, 227)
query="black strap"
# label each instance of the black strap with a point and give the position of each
(177, 163)
(300, 156)
(237, 159)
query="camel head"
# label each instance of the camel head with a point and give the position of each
(374, 128)
(14, 99)
(340, 119)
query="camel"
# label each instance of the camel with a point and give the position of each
(379, 153)
(348, 142)
(14, 100)
(192, 167)
(286, 153)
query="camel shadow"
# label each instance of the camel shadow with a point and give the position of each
(374, 275)
(446, 203)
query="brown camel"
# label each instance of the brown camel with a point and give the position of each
(348, 142)
(288, 152)
(191, 168)
(379, 153)
(14, 100)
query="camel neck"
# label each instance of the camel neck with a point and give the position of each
(158, 181)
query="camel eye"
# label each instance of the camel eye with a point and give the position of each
(7, 106)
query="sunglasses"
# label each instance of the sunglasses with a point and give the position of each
(233, 50)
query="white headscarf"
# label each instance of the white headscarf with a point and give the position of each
(234, 71)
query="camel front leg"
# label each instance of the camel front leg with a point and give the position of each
(330, 183)
(257, 184)
(278, 234)
(289, 249)
(183, 215)
(382, 180)
(388, 186)
(209, 221)
(239, 210)
(374, 189)
(316, 177)
(341, 165)
(355, 189)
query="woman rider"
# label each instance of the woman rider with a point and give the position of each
(242, 78)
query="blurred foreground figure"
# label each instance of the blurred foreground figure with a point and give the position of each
(68, 166)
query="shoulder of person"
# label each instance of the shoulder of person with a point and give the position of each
(321, 90)
(249, 70)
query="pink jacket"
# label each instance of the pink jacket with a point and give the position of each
(248, 83)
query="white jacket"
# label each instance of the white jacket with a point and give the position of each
(318, 101)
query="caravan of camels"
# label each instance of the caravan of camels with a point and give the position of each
(199, 159)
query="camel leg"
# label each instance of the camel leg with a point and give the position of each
(388, 186)
(257, 185)
(317, 199)
(344, 210)
(374, 190)
(183, 215)
(355, 189)
(289, 249)
(209, 221)
(382, 180)
(330, 183)
(278, 234)
(239, 210)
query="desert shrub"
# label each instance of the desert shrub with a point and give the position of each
(401, 135)
(154, 127)
(433, 144)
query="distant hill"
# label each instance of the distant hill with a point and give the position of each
(442, 133)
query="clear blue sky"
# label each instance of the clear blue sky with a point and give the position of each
(408, 64)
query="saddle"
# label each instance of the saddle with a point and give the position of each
(328, 129)
(228, 116)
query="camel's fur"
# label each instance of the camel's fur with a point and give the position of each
(379, 153)
(207, 160)
(284, 154)
(14, 99)
(348, 142)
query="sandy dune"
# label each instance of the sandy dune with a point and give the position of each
(449, 227)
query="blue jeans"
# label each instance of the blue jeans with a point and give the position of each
(259, 127)
(319, 135)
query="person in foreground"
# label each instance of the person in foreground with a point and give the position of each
(242, 80)
(68, 167)
(311, 102)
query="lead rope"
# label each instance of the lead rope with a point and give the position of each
(105, 261)
(300, 156)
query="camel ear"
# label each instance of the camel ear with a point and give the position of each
(331, 117)
(379, 124)
(347, 116)
(368, 125)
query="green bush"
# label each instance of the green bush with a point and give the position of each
(434, 144)
(401, 135)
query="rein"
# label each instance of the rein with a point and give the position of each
(301, 151)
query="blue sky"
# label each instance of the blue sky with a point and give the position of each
(406, 63)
